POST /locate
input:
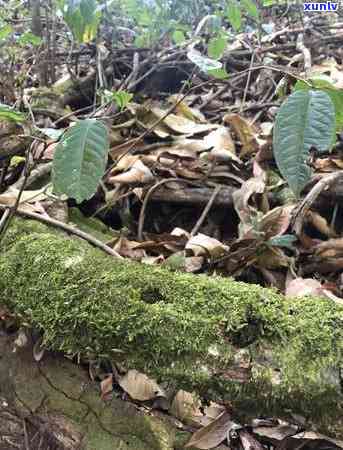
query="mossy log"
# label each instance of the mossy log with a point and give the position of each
(234, 342)
(54, 405)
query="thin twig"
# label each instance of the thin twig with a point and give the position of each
(247, 83)
(205, 211)
(305, 205)
(68, 228)
(146, 200)
(26, 437)
(4, 219)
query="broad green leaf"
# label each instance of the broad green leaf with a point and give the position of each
(178, 37)
(205, 64)
(335, 94)
(90, 31)
(250, 7)
(82, 17)
(8, 113)
(306, 119)
(5, 31)
(80, 160)
(234, 15)
(88, 10)
(216, 47)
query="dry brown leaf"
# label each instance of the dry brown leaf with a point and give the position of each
(279, 432)
(249, 442)
(140, 387)
(273, 258)
(276, 221)
(211, 435)
(137, 174)
(124, 163)
(330, 249)
(9, 197)
(300, 287)
(246, 133)
(194, 263)
(241, 199)
(223, 147)
(320, 223)
(129, 249)
(202, 245)
(330, 68)
(106, 386)
(186, 407)
(181, 125)
(328, 164)
(182, 109)
(314, 435)
(193, 145)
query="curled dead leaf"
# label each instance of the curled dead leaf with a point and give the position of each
(137, 174)
(140, 387)
(202, 245)
(246, 133)
(211, 435)
(223, 147)
(186, 407)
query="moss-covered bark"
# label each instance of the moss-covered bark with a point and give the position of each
(64, 409)
(190, 330)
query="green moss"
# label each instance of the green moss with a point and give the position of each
(166, 323)
(92, 226)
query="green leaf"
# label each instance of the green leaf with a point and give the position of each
(220, 74)
(29, 38)
(80, 160)
(336, 95)
(91, 225)
(82, 17)
(250, 7)
(306, 119)
(287, 241)
(88, 9)
(122, 98)
(16, 160)
(178, 37)
(5, 31)
(205, 64)
(8, 113)
(216, 47)
(234, 15)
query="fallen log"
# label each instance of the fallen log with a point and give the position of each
(54, 405)
(231, 342)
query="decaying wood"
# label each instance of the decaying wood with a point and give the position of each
(236, 343)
